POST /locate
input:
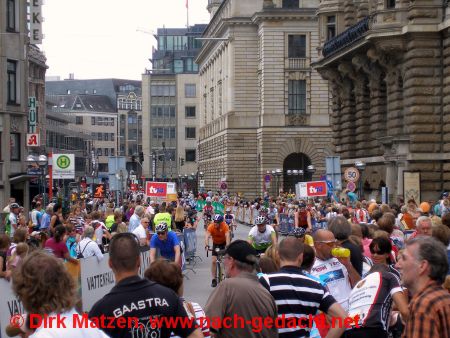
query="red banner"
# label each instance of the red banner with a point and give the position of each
(133, 187)
(156, 189)
(317, 188)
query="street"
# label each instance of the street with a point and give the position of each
(197, 286)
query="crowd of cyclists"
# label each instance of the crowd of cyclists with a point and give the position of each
(367, 260)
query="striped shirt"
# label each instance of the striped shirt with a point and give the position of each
(429, 313)
(199, 313)
(297, 296)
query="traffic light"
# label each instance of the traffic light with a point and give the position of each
(141, 157)
(133, 158)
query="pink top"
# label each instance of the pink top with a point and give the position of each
(58, 249)
(366, 243)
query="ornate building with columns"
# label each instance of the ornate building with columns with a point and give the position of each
(388, 65)
(262, 105)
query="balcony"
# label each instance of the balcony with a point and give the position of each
(297, 63)
(347, 37)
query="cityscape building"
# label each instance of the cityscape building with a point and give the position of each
(170, 96)
(387, 63)
(262, 107)
(93, 115)
(124, 101)
(22, 76)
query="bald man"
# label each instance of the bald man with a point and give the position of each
(338, 274)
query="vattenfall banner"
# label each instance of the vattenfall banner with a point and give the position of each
(97, 280)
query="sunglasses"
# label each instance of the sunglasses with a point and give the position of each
(378, 252)
(160, 233)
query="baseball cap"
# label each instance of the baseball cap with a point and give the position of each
(241, 251)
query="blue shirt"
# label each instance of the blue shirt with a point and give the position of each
(45, 221)
(166, 248)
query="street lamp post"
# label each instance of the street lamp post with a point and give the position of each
(42, 162)
(277, 174)
(200, 175)
(311, 170)
(361, 166)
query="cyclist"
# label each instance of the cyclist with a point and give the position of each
(229, 219)
(208, 213)
(261, 236)
(220, 234)
(167, 242)
(300, 234)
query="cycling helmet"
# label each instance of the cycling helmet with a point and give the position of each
(263, 209)
(218, 218)
(260, 220)
(298, 232)
(228, 210)
(161, 227)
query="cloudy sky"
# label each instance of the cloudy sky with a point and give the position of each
(100, 38)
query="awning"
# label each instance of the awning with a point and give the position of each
(21, 177)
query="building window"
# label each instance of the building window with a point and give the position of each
(297, 97)
(106, 137)
(93, 121)
(190, 155)
(11, 15)
(297, 46)
(106, 152)
(291, 4)
(99, 151)
(190, 90)
(190, 132)
(111, 151)
(100, 137)
(331, 27)
(78, 119)
(162, 90)
(178, 66)
(190, 112)
(390, 4)
(15, 146)
(12, 81)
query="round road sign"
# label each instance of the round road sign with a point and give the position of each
(351, 174)
(351, 186)
(63, 162)
(224, 186)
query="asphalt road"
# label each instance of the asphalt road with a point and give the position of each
(197, 283)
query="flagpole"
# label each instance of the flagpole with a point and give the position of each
(187, 14)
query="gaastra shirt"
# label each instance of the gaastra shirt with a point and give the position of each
(135, 297)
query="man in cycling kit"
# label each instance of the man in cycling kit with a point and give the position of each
(220, 234)
(229, 219)
(167, 242)
(208, 213)
(261, 236)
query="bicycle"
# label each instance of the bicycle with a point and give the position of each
(220, 270)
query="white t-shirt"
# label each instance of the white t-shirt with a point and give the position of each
(13, 223)
(71, 329)
(140, 232)
(89, 248)
(335, 276)
(261, 238)
(100, 228)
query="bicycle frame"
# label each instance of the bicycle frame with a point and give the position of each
(220, 270)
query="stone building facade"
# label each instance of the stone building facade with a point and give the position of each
(22, 75)
(388, 69)
(262, 105)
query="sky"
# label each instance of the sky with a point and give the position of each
(100, 39)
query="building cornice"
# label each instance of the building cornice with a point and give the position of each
(282, 14)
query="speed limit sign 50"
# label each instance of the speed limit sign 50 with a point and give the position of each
(351, 174)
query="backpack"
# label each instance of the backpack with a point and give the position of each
(80, 253)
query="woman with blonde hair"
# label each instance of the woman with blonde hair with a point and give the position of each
(180, 218)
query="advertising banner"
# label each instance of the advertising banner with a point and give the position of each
(156, 189)
(10, 305)
(311, 189)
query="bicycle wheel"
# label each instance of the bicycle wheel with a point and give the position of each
(219, 273)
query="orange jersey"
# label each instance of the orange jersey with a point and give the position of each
(218, 234)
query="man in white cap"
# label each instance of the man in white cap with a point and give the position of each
(151, 208)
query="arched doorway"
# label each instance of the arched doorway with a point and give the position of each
(294, 171)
